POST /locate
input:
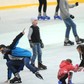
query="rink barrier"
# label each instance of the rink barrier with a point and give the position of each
(35, 4)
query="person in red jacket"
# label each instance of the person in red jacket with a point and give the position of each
(64, 72)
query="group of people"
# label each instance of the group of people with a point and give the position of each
(43, 3)
(18, 57)
(65, 16)
(66, 67)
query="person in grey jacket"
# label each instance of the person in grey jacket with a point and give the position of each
(67, 18)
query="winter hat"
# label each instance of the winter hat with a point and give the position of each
(33, 19)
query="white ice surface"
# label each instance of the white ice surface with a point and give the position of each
(52, 33)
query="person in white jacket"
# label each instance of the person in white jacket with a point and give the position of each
(67, 18)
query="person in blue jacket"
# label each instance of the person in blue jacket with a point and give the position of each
(18, 56)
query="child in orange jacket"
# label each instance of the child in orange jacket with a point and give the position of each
(64, 72)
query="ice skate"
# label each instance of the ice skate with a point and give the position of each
(79, 41)
(70, 82)
(15, 80)
(40, 17)
(46, 17)
(68, 43)
(38, 75)
(41, 66)
(57, 17)
(59, 82)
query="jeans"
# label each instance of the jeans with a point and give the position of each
(9, 74)
(70, 24)
(28, 65)
(36, 52)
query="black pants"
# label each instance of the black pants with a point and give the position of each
(82, 63)
(44, 3)
(57, 7)
(15, 65)
(63, 79)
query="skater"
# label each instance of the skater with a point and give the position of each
(56, 16)
(42, 3)
(67, 18)
(36, 43)
(80, 49)
(18, 68)
(17, 57)
(64, 72)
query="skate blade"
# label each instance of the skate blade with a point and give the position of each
(16, 82)
(42, 69)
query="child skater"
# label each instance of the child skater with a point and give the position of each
(64, 72)
(80, 49)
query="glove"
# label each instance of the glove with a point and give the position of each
(72, 16)
(31, 44)
(42, 45)
(76, 3)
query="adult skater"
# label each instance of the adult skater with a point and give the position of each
(64, 72)
(36, 43)
(42, 3)
(67, 18)
(17, 55)
(56, 16)
(80, 49)
(13, 60)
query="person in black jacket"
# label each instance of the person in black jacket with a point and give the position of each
(56, 16)
(36, 43)
(42, 3)
(80, 49)
(18, 57)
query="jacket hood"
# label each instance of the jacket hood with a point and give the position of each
(64, 63)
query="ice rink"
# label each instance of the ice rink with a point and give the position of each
(13, 21)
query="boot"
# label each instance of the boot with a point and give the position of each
(68, 43)
(79, 41)
(59, 82)
(41, 66)
(16, 80)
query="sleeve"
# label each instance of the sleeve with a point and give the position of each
(71, 6)
(30, 33)
(73, 68)
(15, 41)
(6, 57)
(62, 8)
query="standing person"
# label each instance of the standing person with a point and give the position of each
(18, 56)
(36, 43)
(44, 4)
(80, 49)
(64, 72)
(67, 18)
(56, 16)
